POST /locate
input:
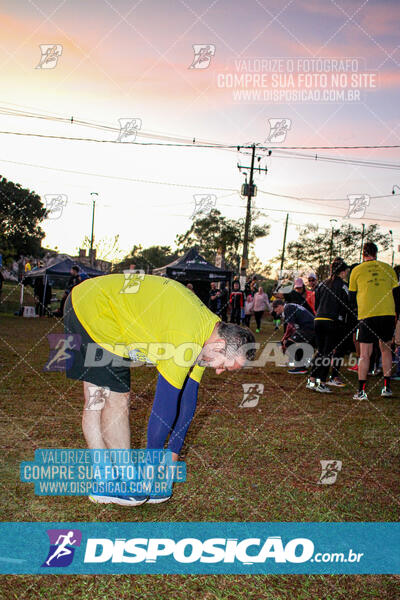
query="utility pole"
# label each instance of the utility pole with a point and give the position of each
(284, 241)
(331, 244)
(392, 244)
(91, 237)
(362, 240)
(249, 190)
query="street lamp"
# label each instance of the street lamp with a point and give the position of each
(91, 237)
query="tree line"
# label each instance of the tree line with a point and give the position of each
(22, 212)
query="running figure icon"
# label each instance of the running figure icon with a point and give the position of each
(62, 550)
(61, 351)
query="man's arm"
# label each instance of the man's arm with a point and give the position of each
(353, 292)
(396, 296)
(353, 302)
(317, 297)
(165, 414)
(289, 313)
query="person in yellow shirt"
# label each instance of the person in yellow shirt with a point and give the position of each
(374, 288)
(148, 320)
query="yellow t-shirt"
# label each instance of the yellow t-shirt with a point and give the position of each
(146, 317)
(374, 281)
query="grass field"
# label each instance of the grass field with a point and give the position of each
(244, 464)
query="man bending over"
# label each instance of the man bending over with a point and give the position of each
(151, 320)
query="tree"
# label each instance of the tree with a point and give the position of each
(314, 249)
(256, 267)
(21, 212)
(147, 258)
(107, 248)
(214, 231)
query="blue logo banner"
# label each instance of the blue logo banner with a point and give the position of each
(208, 548)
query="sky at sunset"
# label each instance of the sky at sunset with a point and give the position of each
(131, 60)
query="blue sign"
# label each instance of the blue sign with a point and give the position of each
(207, 548)
(78, 472)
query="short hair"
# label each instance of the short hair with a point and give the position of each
(370, 249)
(338, 266)
(75, 268)
(277, 303)
(236, 337)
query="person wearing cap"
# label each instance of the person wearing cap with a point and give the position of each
(310, 291)
(332, 305)
(297, 295)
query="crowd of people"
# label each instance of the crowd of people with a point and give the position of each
(239, 305)
(356, 308)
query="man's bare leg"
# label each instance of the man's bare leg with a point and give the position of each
(363, 365)
(115, 421)
(91, 420)
(105, 423)
(386, 358)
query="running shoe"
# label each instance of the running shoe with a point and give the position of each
(322, 388)
(297, 371)
(311, 385)
(354, 369)
(336, 382)
(360, 395)
(386, 392)
(123, 500)
(158, 499)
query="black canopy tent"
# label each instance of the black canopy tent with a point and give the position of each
(58, 270)
(194, 268)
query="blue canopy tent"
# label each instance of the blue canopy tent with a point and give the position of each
(58, 269)
(193, 268)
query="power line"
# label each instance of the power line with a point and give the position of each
(265, 210)
(334, 159)
(194, 144)
(183, 139)
(191, 186)
(184, 185)
(119, 178)
(179, 141)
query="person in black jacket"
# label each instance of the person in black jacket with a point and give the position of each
(332, 306)
(236, 301)
(214, 301)
(224, 299)
(74, 279)
(42, 295)
(296, 296)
